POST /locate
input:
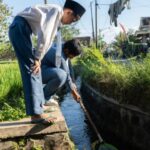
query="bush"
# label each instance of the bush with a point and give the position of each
(127, 83)
(6, 52)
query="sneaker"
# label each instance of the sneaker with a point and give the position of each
(56, 97)
(48, 109)
(51, 102)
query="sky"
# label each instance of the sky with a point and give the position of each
(129, 18)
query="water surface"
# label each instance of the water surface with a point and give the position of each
(76, 122)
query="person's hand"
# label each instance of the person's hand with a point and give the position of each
(36, 67)
(76, 95)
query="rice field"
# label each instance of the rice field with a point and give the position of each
(11, 93)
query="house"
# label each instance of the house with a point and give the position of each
(143, 34)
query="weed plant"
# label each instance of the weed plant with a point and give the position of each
(128, 82)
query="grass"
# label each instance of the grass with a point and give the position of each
(127, 83)
(11, 94)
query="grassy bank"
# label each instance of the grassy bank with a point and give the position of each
(11, 94)
(127, 83)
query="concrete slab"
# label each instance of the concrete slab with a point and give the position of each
(24, 127)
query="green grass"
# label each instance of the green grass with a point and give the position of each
(11, 94)
(127, 83)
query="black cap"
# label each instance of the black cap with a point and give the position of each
(76, 7)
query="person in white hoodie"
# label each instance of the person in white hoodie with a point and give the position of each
(43, 20)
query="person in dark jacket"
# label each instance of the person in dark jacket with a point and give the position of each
(54, 75)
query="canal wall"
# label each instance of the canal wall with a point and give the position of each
(126, 123)
(17, 135)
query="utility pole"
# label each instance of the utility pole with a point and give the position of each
(92, 21)
(96, 22)
(100, 39)
(45, 1)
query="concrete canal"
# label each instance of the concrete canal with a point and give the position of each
(80, 130)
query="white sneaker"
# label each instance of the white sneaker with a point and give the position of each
(51, 102)
(56, 97)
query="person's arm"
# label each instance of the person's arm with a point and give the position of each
(71, 70)
(70, 83)
(76, 95)
(58, 50)
(72, 73)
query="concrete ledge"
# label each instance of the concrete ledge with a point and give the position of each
(24, 127)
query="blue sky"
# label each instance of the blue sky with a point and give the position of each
(130, 18)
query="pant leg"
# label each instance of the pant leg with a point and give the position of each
(54, 79)
(20, 37)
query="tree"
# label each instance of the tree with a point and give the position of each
(5, 46)
(4, 14)
(68, 32)
(129, 46)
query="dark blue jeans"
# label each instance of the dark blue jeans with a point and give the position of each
(20, 37)
(53, 80)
